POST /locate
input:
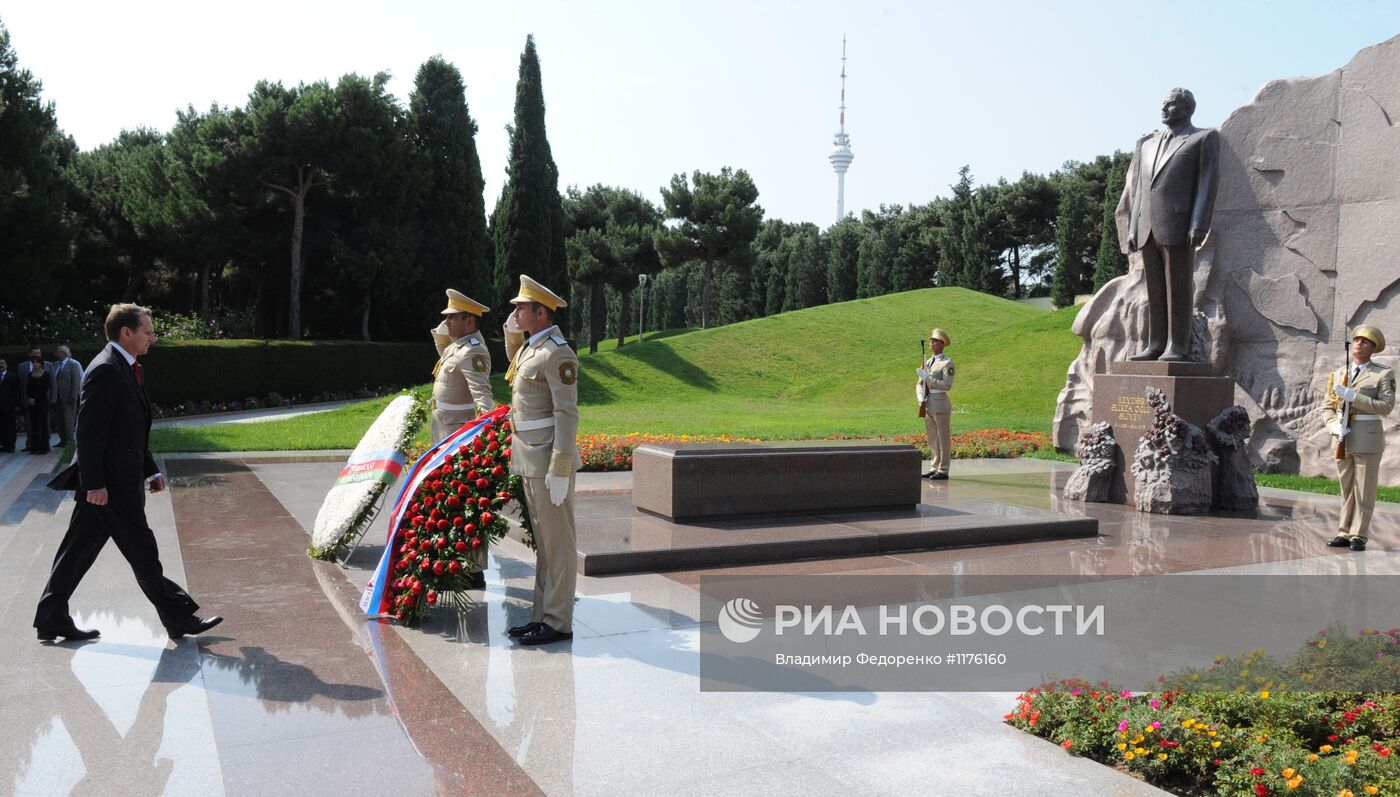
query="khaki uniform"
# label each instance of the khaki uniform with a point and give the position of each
(461, 382)
(1360, 468)
(543, 380)
(933, 394)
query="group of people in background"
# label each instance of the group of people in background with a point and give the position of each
(45, 394)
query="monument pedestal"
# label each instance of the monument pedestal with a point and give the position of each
(1120, 398)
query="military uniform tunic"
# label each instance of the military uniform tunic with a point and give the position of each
(461, 382)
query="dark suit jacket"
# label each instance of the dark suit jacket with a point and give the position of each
(9, 392)
(114, 424)
(1172, 194)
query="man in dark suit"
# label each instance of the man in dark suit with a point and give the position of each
(112, 468)
(9, 403)
(1170, 196)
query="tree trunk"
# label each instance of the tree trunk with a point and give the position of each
(204, 273)
(1016, 272)
(622, 317)
(597, 309)
(364, 318)
(706, 274)
(298, 228)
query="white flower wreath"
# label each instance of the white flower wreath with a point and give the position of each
(349, 502)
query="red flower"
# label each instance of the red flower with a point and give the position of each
(498, 471)
(458, 521)
(1257, 771)
(416, 588)
(1260, 789)
(470, 528)
(476, 542)
(439, 568)
(460, 546)
(1067, 743)
(441, 543)
(432, 598)
(483, 502)
(486, 518)
(482, 484)
(455, 567)
(443, 525)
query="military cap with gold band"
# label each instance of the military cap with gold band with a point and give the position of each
(938, 334)
(458, 302)
(1370, 333)
(531, 291)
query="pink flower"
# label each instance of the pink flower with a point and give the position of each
(1155, 703)
(1123, 726)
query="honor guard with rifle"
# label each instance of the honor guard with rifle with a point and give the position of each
(1358, 395)
(935, 380)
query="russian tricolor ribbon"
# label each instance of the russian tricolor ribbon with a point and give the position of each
(375, 594)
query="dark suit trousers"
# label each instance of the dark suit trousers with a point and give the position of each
(7, 428)
(1167, 271)
(88, 531)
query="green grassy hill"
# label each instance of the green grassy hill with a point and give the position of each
(837, 369)
(843, 368)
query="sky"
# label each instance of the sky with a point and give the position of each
(636, 92)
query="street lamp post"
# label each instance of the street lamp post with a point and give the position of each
(642, 310)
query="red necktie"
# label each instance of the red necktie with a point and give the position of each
(137, 368)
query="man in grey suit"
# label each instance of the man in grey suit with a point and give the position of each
(68, 382)
(1170, 198)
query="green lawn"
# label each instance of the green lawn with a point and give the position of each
(845, 368)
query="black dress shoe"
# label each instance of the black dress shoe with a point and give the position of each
(193, 626)
(1358, 544)
(522, 630)
(1339, 541)
(72, 633)
(543, 635)
(937, 477)
(476, 580)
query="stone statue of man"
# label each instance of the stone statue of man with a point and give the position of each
(1170, 198)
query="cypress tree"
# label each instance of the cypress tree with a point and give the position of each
(456, 251)
(529, 218)
(1111, 260)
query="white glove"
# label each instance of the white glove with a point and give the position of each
(922, 373)
(511, 325)
(1337, 431)
(1345, 393)
(441, 328)
(558, 488)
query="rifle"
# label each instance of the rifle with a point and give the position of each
(923, 405)
(1344, 425)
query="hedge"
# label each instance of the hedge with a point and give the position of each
(224, 370)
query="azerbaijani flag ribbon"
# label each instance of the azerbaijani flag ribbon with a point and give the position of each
(375, 598)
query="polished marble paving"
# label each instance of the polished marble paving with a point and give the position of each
(298, 693)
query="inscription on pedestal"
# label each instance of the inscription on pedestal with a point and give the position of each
(1130, 412)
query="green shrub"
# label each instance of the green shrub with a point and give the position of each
(218, 371)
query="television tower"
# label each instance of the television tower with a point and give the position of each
(842, 156)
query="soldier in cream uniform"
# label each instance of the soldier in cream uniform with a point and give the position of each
(462, 376)
(1356, 399)
(935, 380)
(543, 377)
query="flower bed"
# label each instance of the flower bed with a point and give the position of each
(606, 452)
(1235, 729)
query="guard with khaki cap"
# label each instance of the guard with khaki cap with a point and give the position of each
(1357, 397)
(462, 376)
(935, 380)
(543, 377)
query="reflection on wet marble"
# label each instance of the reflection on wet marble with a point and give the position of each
(299, 693)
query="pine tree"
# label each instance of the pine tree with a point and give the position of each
(1073, 240)
(529, 218)
(452, 217)
(35, 247)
